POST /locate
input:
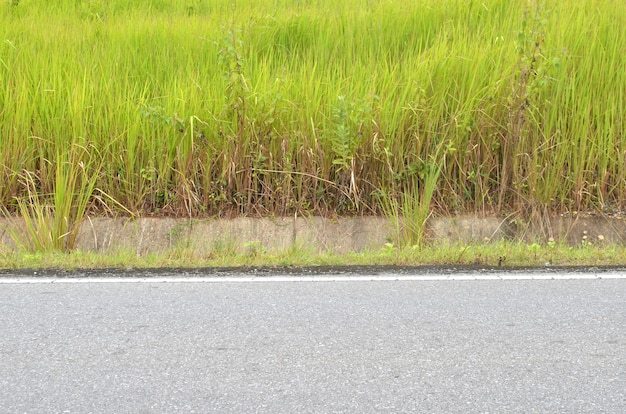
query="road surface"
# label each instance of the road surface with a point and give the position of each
(188, 345)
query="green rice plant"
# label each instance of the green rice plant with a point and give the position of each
(201, 108)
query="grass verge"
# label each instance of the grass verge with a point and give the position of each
(505, 254)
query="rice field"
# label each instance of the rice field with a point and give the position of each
(281, 107)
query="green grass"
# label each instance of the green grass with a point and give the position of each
(271, 107)
(488, 255)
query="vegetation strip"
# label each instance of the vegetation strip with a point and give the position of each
(281, 108)
(508, 255)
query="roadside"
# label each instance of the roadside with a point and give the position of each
(319, 234)
(315, 241)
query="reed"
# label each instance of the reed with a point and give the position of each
(198, 107)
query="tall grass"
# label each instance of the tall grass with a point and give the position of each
(198, 107)
(51, 221)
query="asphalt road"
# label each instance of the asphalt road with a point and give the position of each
(497, 346)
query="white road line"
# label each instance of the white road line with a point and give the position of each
(316, 278)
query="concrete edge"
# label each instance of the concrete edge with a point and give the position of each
(318, 234)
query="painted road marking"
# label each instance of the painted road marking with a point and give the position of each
(315, 278)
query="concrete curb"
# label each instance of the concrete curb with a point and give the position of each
(341, 235)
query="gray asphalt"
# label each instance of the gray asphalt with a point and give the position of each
(323, 347)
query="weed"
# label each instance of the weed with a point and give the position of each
(52, 220)
(410, 212)
(255, 248)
